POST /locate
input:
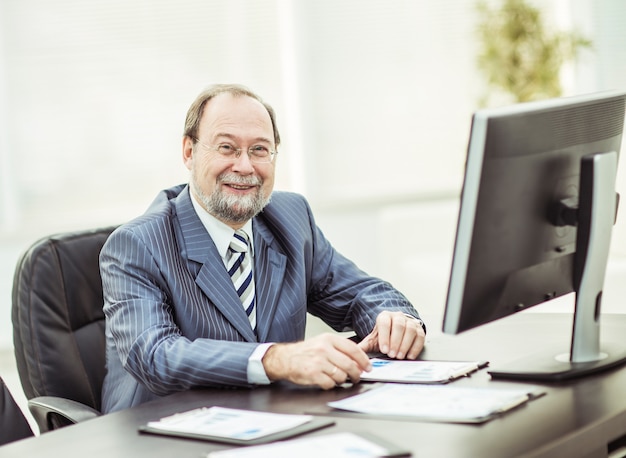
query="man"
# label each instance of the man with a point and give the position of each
(185, 308)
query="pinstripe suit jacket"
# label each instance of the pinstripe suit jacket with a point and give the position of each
(174, 320)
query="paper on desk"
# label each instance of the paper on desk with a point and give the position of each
(449, 403)
(404, 371)
(336, 445)
(229, 423)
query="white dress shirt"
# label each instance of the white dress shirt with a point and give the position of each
(222, 234)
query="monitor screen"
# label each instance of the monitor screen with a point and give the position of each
(537, 208)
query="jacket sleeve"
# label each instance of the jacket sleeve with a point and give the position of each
(141, 321)
(343, 295)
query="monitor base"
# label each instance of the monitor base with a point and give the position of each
(554, 368)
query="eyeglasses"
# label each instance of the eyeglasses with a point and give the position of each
(259, 154)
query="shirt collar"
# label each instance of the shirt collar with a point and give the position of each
(220, 232)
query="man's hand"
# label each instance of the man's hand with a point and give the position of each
(396, 335)
(325, 360)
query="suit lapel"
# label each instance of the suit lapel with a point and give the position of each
(214, 281)
(212, 277)
(269, 272)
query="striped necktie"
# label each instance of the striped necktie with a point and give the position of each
(240, 271)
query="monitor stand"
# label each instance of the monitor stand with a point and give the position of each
(595, 218)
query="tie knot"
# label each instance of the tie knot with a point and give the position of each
(239, 242)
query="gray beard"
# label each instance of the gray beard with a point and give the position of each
(232, 208)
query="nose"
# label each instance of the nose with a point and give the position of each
(243, 164)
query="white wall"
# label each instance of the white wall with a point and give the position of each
(374, 99)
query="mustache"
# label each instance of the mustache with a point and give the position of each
(250, 180)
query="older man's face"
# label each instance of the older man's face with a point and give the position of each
(233, 190)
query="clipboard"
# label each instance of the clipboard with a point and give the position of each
(437, 403)
(344, 444)
(209, 424)
(428, 372)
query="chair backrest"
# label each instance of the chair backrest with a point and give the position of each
(58, 323)
(13, 423)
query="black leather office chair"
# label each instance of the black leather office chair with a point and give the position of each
(58, 327)
(13, 424)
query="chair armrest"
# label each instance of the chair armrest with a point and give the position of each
(51, 412)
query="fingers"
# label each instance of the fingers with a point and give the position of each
(412, 342)
(325, 361)
(398, 335)
(337, 377)
(349, 360)
(329, 359)
(383, 329)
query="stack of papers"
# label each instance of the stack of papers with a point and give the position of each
(234, 426)
(336, 445)
(404, 371)
(437, 402)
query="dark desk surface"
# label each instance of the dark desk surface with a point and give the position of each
(576, 418)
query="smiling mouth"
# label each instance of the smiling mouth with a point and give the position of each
(238, 183)
(240, 187)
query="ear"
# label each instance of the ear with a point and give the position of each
(187, 151)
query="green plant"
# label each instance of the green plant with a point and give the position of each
(519, 55)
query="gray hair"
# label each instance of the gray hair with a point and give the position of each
(194, 114)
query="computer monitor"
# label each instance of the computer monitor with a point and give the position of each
(537, 209)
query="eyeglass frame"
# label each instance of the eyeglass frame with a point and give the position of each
(237, 152)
